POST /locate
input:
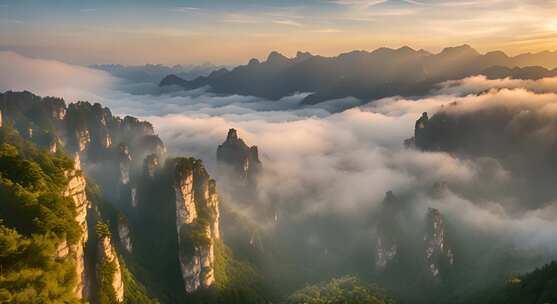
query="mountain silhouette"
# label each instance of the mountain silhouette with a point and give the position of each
(360, 74)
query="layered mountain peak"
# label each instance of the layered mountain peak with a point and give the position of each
(277, 58)
(462, 50)
(301, 56)
(172, 80)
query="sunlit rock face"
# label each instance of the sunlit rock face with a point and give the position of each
(437, 250)
(53, 144)
(238, 162)
(107, 254)
(82, 138)
(76, 191)
(197, 223)
(388, 236)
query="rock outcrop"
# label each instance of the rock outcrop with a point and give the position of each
(419, 130)
(197, 223)
(395, 243)
(437, 250)
(238, 162)
(420, 134)
(76, 191)
(124, 234)
(388, 235)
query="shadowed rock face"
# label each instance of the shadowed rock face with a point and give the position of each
(238, 163)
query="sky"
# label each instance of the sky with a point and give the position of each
(232, 31)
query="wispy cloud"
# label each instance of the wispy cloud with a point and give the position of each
(240, 18)
(287, 22)
(414, 2)
(87, 10)
(326, 31)
(364, 3)
(185, 9)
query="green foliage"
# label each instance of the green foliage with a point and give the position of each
(134, 291)
(105, 275)
(236, 281)
(102, 230)
(537, 287)
(29, 271)
(34, 219)
(344, 290)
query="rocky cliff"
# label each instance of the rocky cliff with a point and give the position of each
(197, 223)
(76, 190)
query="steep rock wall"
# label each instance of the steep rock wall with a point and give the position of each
(76, 190)
(197, 223)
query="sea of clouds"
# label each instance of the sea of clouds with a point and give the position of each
(338, 156)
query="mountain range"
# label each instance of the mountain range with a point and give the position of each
(364, 75)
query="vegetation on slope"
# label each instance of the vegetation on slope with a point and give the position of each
(536, 287)
(34, 220)
(344, 290)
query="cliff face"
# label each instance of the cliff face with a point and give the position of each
(238, 162)
(107, 256)
(197, 223)
(76, 191)
(437, 250)
(395, 244)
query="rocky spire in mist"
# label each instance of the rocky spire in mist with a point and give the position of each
(197, 223)
(238, 162)
(437, 252)
(388, 236)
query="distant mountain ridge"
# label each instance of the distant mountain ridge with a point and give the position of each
(360, 74)
(155, 72)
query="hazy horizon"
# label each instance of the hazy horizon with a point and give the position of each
(232, 32)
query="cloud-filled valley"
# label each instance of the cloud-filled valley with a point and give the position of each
(339, 158)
